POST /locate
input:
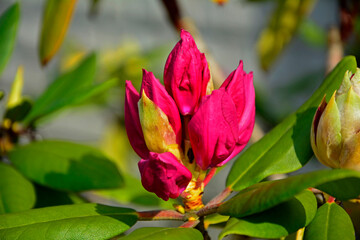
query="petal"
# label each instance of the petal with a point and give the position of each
(132, 121)
(328, 135)
(158, 132)
(156, 92)
(213, 129)
(164, 175)
(186, 72)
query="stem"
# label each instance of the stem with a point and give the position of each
(160, 215)
(209, 176)
(207, 210)
(202, 229)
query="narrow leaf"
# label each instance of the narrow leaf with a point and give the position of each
(278, 221)
(15, 95)
(340, 183)
(285, 148)
(159, 233)
(283, 24)
(330, 223)
(69, 89)
(8, 28)
(55, 23)
(16, 192)
(66, 166)
(78, 221)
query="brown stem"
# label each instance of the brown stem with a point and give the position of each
(174, 13)
(160, 215)
(202, 229)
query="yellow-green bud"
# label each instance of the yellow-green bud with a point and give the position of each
(335, 129)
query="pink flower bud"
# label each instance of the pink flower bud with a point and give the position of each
(132, 121)
(213, 130)
(239, 85)
(186, 74)
(164, 175)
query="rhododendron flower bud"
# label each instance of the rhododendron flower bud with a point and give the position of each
(239, 85)
(152, 119)
(335, 136)
(186, 74)
(213, 130)
(164, 175)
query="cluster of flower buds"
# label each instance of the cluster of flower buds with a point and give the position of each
(184, 128)
(335, 136)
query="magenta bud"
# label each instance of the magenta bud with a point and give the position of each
(164, 175)
(239, 85)
(186, 74)
(213, 130)
(132, 121)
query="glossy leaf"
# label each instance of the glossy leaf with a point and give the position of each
(352, 207)
(215, 219)
(69, 89)
(133, 192)
(283, 24)
(56, 19)
(278, 221)
(16, 192)
(78, 221)
(66, 166)
(159, 233)
(286, 147)
(340, 183)
(8, 28)
(47, 197)
(330, 223)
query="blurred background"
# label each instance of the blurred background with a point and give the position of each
(289, 45)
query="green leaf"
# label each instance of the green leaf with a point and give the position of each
(79, 221)
(159, 233)
(283, 24)
(286, 147)
(278, 221)
(16, 192)
(66, 166)
(69, 89)
(330, 223)
(8, 28)
(133, 192)
(47, 197)
(313, 34)
(340, 183)
(56, 19)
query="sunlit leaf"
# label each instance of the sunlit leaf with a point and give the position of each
(15, 95)
(330, 223)
(134, 193)
(282, 26)
(158, 233)
(286, 147)
(56, 19)
(16, 192)
(276, 222)
(8, 28)
(66, 166)
(78, 221)
(340, 183)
